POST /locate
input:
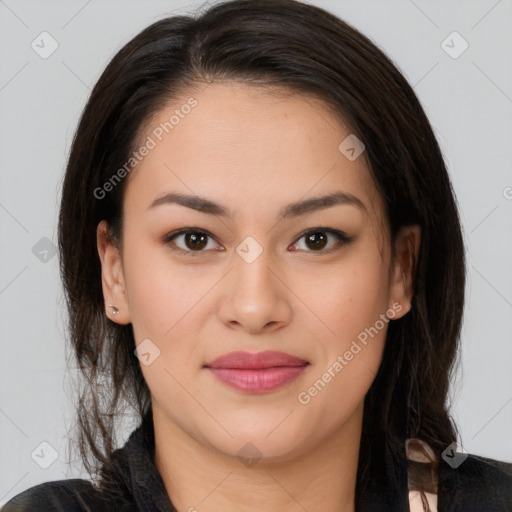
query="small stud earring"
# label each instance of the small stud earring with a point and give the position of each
(114, 309)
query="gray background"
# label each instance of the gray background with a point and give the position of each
(468, 100)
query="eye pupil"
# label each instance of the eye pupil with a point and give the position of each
(195, 237)
(318, 240)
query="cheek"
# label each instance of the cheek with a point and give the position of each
(352, 301)
(164, 301)
(161, 294)
(348, 297)
(349, 359)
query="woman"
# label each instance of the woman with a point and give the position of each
(262, 256)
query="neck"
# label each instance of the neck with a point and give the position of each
(200, 478)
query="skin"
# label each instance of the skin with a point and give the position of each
(255, 151)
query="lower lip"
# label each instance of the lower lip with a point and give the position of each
(258, 381)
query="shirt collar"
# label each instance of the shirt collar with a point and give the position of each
(147, 485)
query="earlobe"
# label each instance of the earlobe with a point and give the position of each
(407, 250)
(112, 277)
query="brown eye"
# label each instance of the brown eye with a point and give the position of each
(195, 240)
(192, 241)
(318, 239)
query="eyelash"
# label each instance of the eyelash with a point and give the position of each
(342, 238)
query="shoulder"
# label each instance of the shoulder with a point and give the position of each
(69, 495)
(479, 482)
(468, 482)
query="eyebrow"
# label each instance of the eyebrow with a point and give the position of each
(295, 209)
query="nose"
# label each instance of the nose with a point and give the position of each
(255, 298)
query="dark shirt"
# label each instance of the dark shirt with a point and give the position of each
(133, 483)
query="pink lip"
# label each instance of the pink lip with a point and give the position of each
(257, 373)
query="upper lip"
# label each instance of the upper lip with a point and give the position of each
(258, 360)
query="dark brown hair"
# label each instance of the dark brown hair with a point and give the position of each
(303, 49)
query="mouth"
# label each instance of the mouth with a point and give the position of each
(257, 373)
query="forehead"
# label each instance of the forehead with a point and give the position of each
(248, 147)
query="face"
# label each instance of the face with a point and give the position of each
(314, 281)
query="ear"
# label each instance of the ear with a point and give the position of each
(112, 278)
(407, 249)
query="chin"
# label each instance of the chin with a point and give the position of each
(260, 448)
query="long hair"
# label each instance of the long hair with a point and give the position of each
(305, 49)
